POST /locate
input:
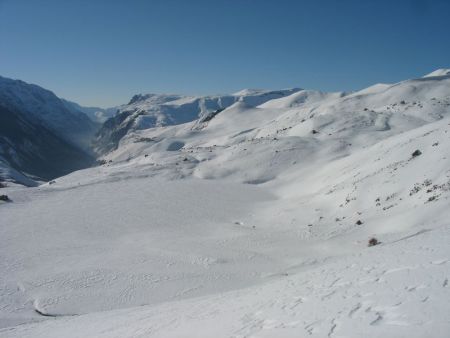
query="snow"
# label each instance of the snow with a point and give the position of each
(45, 107)
(96, 114)
(157, 110)
(247, 224)
(40, 135)
(439, 72)
(377, 292)
(15, 176)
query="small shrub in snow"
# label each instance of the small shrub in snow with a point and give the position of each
(359, 222)
(415, 189)
(373, 241)
(315, 131)
(4, 198)
(416, 153)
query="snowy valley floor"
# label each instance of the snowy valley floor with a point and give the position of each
(397, 289)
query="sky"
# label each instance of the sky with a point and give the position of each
(102, 52)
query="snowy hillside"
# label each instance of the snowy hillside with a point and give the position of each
(40, 137)
(29, 151)
(46, 108)
(252, 221)
(153, 110)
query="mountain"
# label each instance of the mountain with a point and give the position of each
(439, 72)
(34, 150)
(153, 110)
(46, 108)
(296, 125)
(40, 137)
(96, 114)
(312, 214)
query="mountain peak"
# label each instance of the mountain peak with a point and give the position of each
(439, 72)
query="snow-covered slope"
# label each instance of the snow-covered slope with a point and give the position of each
(153, 110)
(44, 107)
(253, 222)
(40, 137)
(96, 114)
(29, 151)
(439, 72)
(274, 135)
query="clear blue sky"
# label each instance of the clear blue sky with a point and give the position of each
(101, 52)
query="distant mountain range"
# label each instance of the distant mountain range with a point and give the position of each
(96, 114)
(43, 136)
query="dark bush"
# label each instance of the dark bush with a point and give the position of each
(4, 198)
(416, 153)
(373, 241)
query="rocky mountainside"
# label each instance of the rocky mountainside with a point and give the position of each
(40, 136)
(29, 150)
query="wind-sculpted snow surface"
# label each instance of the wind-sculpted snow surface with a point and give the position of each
(398, 289)
(254, 223)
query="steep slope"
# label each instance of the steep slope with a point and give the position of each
(152, 110)
(40, 136)
(46, 108)
(96, 114)
(254, 223)
(32, 149)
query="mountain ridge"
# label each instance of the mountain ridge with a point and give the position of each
(41, 137)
